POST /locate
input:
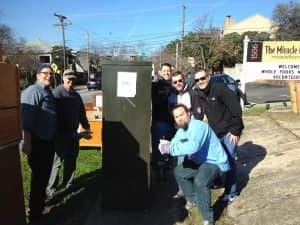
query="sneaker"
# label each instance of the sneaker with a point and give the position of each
(228, 198)
(49, 196)
(189, 205)
(206, 222)
(179, 194)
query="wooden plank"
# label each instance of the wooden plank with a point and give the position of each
(10, 128)
(11, 190)
(9, 86)
(96, 139)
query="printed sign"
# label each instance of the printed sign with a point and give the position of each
(281, 51)
(274, 60)
(126, 84)
(254, 52)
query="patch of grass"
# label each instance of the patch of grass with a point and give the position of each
(71, 206)
(255, 110)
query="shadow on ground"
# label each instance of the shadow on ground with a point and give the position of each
(81, 205)
(161, 209)
(249, 155)
(70, 207)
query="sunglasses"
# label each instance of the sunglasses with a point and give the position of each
(200, 78)
(177, 81)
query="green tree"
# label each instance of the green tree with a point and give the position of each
(257, 36)
(7, 40)
(233, 44)
(287, 19)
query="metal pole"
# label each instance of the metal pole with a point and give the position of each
(64, 41)
(244, 73)
(88, 54)
(61, 20)
(176, 56)
(182, 34)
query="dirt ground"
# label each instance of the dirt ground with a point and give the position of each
(269, 172)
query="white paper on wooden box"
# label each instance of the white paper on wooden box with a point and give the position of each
(126, 84)
(99, 101)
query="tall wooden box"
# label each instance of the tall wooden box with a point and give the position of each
(9, 86)
(12, 211)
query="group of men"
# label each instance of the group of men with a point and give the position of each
(50, 120)
(206, 152)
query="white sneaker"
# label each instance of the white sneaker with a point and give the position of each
(189, 205)
(206, 222)
(229, 198)
(179, 194)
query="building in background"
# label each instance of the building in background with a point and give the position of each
(256, 23)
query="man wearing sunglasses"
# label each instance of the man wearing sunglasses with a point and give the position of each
(70, 112)
(224, 115)
(182, 93)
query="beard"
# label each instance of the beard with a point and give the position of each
(183, 125)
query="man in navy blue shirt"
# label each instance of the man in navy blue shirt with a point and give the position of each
(39, 125)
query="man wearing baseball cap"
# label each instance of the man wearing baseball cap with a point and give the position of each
(70, 112)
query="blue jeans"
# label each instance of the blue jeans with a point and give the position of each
(231, 178)
(160, 130)
(196, 185)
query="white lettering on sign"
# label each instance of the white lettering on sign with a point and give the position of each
(275, 71)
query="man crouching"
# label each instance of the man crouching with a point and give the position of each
(205, 160)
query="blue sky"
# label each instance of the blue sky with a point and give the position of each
(152, 23)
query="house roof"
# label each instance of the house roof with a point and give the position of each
(255, 22)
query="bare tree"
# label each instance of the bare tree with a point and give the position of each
(287, 19)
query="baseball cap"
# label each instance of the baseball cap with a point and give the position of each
(69, 73)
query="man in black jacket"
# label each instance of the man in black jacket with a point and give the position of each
(162, 122)
(224, 115)
(70, 113)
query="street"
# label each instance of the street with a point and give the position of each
(86, 95)
(256, 93)
(266, 93)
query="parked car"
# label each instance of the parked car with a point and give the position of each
(232, 84)
(94, 83)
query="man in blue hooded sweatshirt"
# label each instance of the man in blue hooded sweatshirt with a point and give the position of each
(205, 160)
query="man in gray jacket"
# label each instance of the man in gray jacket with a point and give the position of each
(39, 126)
(70, 112)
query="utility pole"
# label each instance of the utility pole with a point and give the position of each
(176, 57)
(88, 53)
(182, 33)
(62, 25)
(160, 57)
